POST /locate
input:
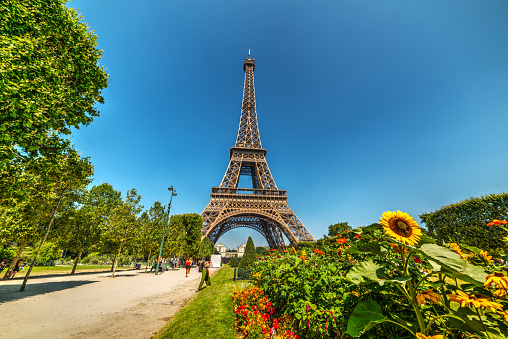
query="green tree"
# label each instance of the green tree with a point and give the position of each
(338, 228)
(51, 78)
(261, 251)
(185, 234)
(120, 226)
(249, 256)
(205, 248)
(465, 222)
(234, 262)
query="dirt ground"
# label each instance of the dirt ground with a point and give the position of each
(134, 304)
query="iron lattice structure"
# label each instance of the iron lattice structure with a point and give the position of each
(263, 208)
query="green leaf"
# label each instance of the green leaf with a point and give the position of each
(366, 272)
(371, 228)
(425, 239)
(473, 249)
(365, 316)
(452, 264)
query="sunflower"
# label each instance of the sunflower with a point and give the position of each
(497, 278)
(401, 226)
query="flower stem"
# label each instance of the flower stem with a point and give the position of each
(481, 320)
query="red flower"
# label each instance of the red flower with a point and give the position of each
(357, 236)
(275, 323)
(318, 251)
(341, 241)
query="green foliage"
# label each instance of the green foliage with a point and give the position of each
(185, 234)
(369, 285)
(249, 256)
(205, 248)
(50, 252)
(464, 222)
(7, 253)
(51, 79)
(260, 251)
(234, 262)
(338, 228)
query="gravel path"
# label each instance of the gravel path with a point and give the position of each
(134, 304)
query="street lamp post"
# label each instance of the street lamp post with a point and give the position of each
(173, 194)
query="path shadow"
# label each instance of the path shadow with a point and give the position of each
(42, 276)
(11, 292)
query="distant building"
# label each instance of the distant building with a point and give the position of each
(221, 248)
(241, 248)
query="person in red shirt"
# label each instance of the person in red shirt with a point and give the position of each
(188, 264)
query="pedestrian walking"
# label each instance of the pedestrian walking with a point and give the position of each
(16, 268)
(205, 275)
(188, 264)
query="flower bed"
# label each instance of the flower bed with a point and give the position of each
(387, 276)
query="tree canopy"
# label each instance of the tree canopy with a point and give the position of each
(465, 222)
(51, 78)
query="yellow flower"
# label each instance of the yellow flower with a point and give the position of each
(475, 299)
(422, 336)
(505, 315)
(401, 226)
(428, 294)
(485, 256)
(457, 250)
(500, 293)
(497, 278)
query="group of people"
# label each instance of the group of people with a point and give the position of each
(204, 266)
(19, 265)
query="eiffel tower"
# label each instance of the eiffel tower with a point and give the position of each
(263, 208)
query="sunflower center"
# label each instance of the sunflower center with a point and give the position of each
(401, 228)
(402, 225)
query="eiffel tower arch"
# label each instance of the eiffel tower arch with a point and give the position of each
(263, 207)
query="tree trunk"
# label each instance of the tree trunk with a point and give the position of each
(40, 246)
(78, 258)
(136, 259)
(14, 261)
(148, 259)
(114, 264)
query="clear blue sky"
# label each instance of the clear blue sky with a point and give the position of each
(363, 106)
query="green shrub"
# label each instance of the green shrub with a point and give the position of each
(94, 261)
(234, 262)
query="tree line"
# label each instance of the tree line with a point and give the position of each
(51, 84)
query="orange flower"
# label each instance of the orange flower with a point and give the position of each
(318, 251)
(497, 222)
(341, 241)
(428, 294)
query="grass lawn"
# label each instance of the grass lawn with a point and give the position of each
(209, 314)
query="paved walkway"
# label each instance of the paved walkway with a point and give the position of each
(134, 304)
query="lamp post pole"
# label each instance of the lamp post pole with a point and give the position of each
(173, 194)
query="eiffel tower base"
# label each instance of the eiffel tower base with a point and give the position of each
(263, 210)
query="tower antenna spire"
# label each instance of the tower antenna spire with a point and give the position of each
(249, 53)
